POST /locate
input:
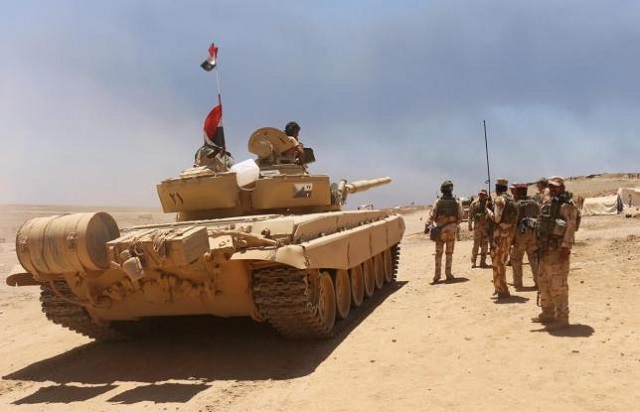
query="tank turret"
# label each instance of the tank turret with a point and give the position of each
(275, 182)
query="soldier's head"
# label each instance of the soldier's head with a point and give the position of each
(482, 194)
(501, 185)
(556, 185)
(292, 129)
(446, 187)
(519, 190)
(542, 184)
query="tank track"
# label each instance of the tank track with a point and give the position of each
(284, 297)
(71, 316)
(395, 258)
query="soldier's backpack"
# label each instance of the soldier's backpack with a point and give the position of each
(510, 213)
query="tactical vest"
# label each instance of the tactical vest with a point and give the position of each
(479, 210)
(510, 212)
(551, 224)
(447, 206)
(538, 198)
(527, 207)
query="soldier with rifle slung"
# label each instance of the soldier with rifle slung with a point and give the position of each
(479, 224)
(525, 236)
(445, 214)
(557, 223)
(503, 219)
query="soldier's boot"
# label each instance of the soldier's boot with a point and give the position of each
(517, 283)
(438, 269)
(483, 261)
(447, 267)
(545, 318)
(473, 261)
(559, 323)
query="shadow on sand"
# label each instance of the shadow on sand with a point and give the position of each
(450, 282)
(572, 331)
(201, 349)
(511, 299)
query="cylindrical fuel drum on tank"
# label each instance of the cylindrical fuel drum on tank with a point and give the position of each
(66, 243)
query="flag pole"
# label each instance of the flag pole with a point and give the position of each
(214, 130)
(224, 147)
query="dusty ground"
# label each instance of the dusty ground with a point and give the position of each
(419, 347)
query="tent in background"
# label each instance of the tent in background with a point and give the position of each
(626, 199)
(630, 197)
(604, 205)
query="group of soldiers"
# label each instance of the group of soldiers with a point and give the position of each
(512, 224)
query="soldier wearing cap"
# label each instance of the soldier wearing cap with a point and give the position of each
(479, 224)
(524, 240)
(503, 219)
(445, 214)
(556, 227)
(542, 184)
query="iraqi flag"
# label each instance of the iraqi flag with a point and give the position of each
(210, 63)
(213, 130)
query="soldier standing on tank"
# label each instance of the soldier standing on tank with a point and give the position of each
(445, 214)
(525, 236)
(503, 219)
(479, 224)
(556, 227)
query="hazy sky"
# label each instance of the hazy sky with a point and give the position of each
(101, 100)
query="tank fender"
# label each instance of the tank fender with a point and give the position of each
(340, 250)
(18, 276)
(292, 255)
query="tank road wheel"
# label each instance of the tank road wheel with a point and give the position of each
(343, 293)
(326, 301)
(378, 267)
(357, 285)
(369, 278)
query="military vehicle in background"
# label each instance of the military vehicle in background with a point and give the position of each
(265, 239)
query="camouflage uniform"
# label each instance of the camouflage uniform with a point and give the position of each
(542, 190)
(214, 158)
(525, 240)
(480, 225)
(557, 224)
(446, 213)
(503, 218)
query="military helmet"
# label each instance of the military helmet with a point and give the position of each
(446, 186)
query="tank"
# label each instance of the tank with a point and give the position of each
(264, 239)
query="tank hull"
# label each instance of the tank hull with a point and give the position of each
(301, 273)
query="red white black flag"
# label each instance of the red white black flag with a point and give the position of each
(213, 130)
(210, 63)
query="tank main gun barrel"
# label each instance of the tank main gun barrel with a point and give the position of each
(345, 188)
(362, 185)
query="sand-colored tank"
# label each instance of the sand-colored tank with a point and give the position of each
(265, 239)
